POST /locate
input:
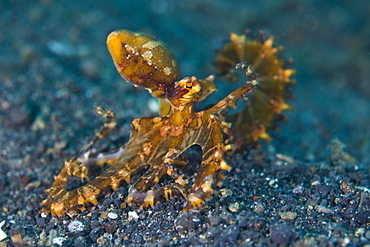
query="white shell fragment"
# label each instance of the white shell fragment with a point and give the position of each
(133, 215)
(76, 226)
(2, 233)
(112, 215)
(59, 240)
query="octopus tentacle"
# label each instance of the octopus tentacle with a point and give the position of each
(109, 125)
(151, 197)
(212, 162)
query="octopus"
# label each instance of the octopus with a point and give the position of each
(265, 107)
(155, 143)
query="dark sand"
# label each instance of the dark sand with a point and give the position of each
(309, 186)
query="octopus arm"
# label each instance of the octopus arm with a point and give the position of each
(123, 163)
(230, 100)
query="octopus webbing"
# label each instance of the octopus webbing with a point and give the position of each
(155, 143)
(265, 107)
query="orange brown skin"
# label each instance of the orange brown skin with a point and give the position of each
(265, 106)
(155, 143)
(143, 60)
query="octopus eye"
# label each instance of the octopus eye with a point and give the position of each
(189, 85)
(185, 91)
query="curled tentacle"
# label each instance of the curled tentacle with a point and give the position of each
(265, 106)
